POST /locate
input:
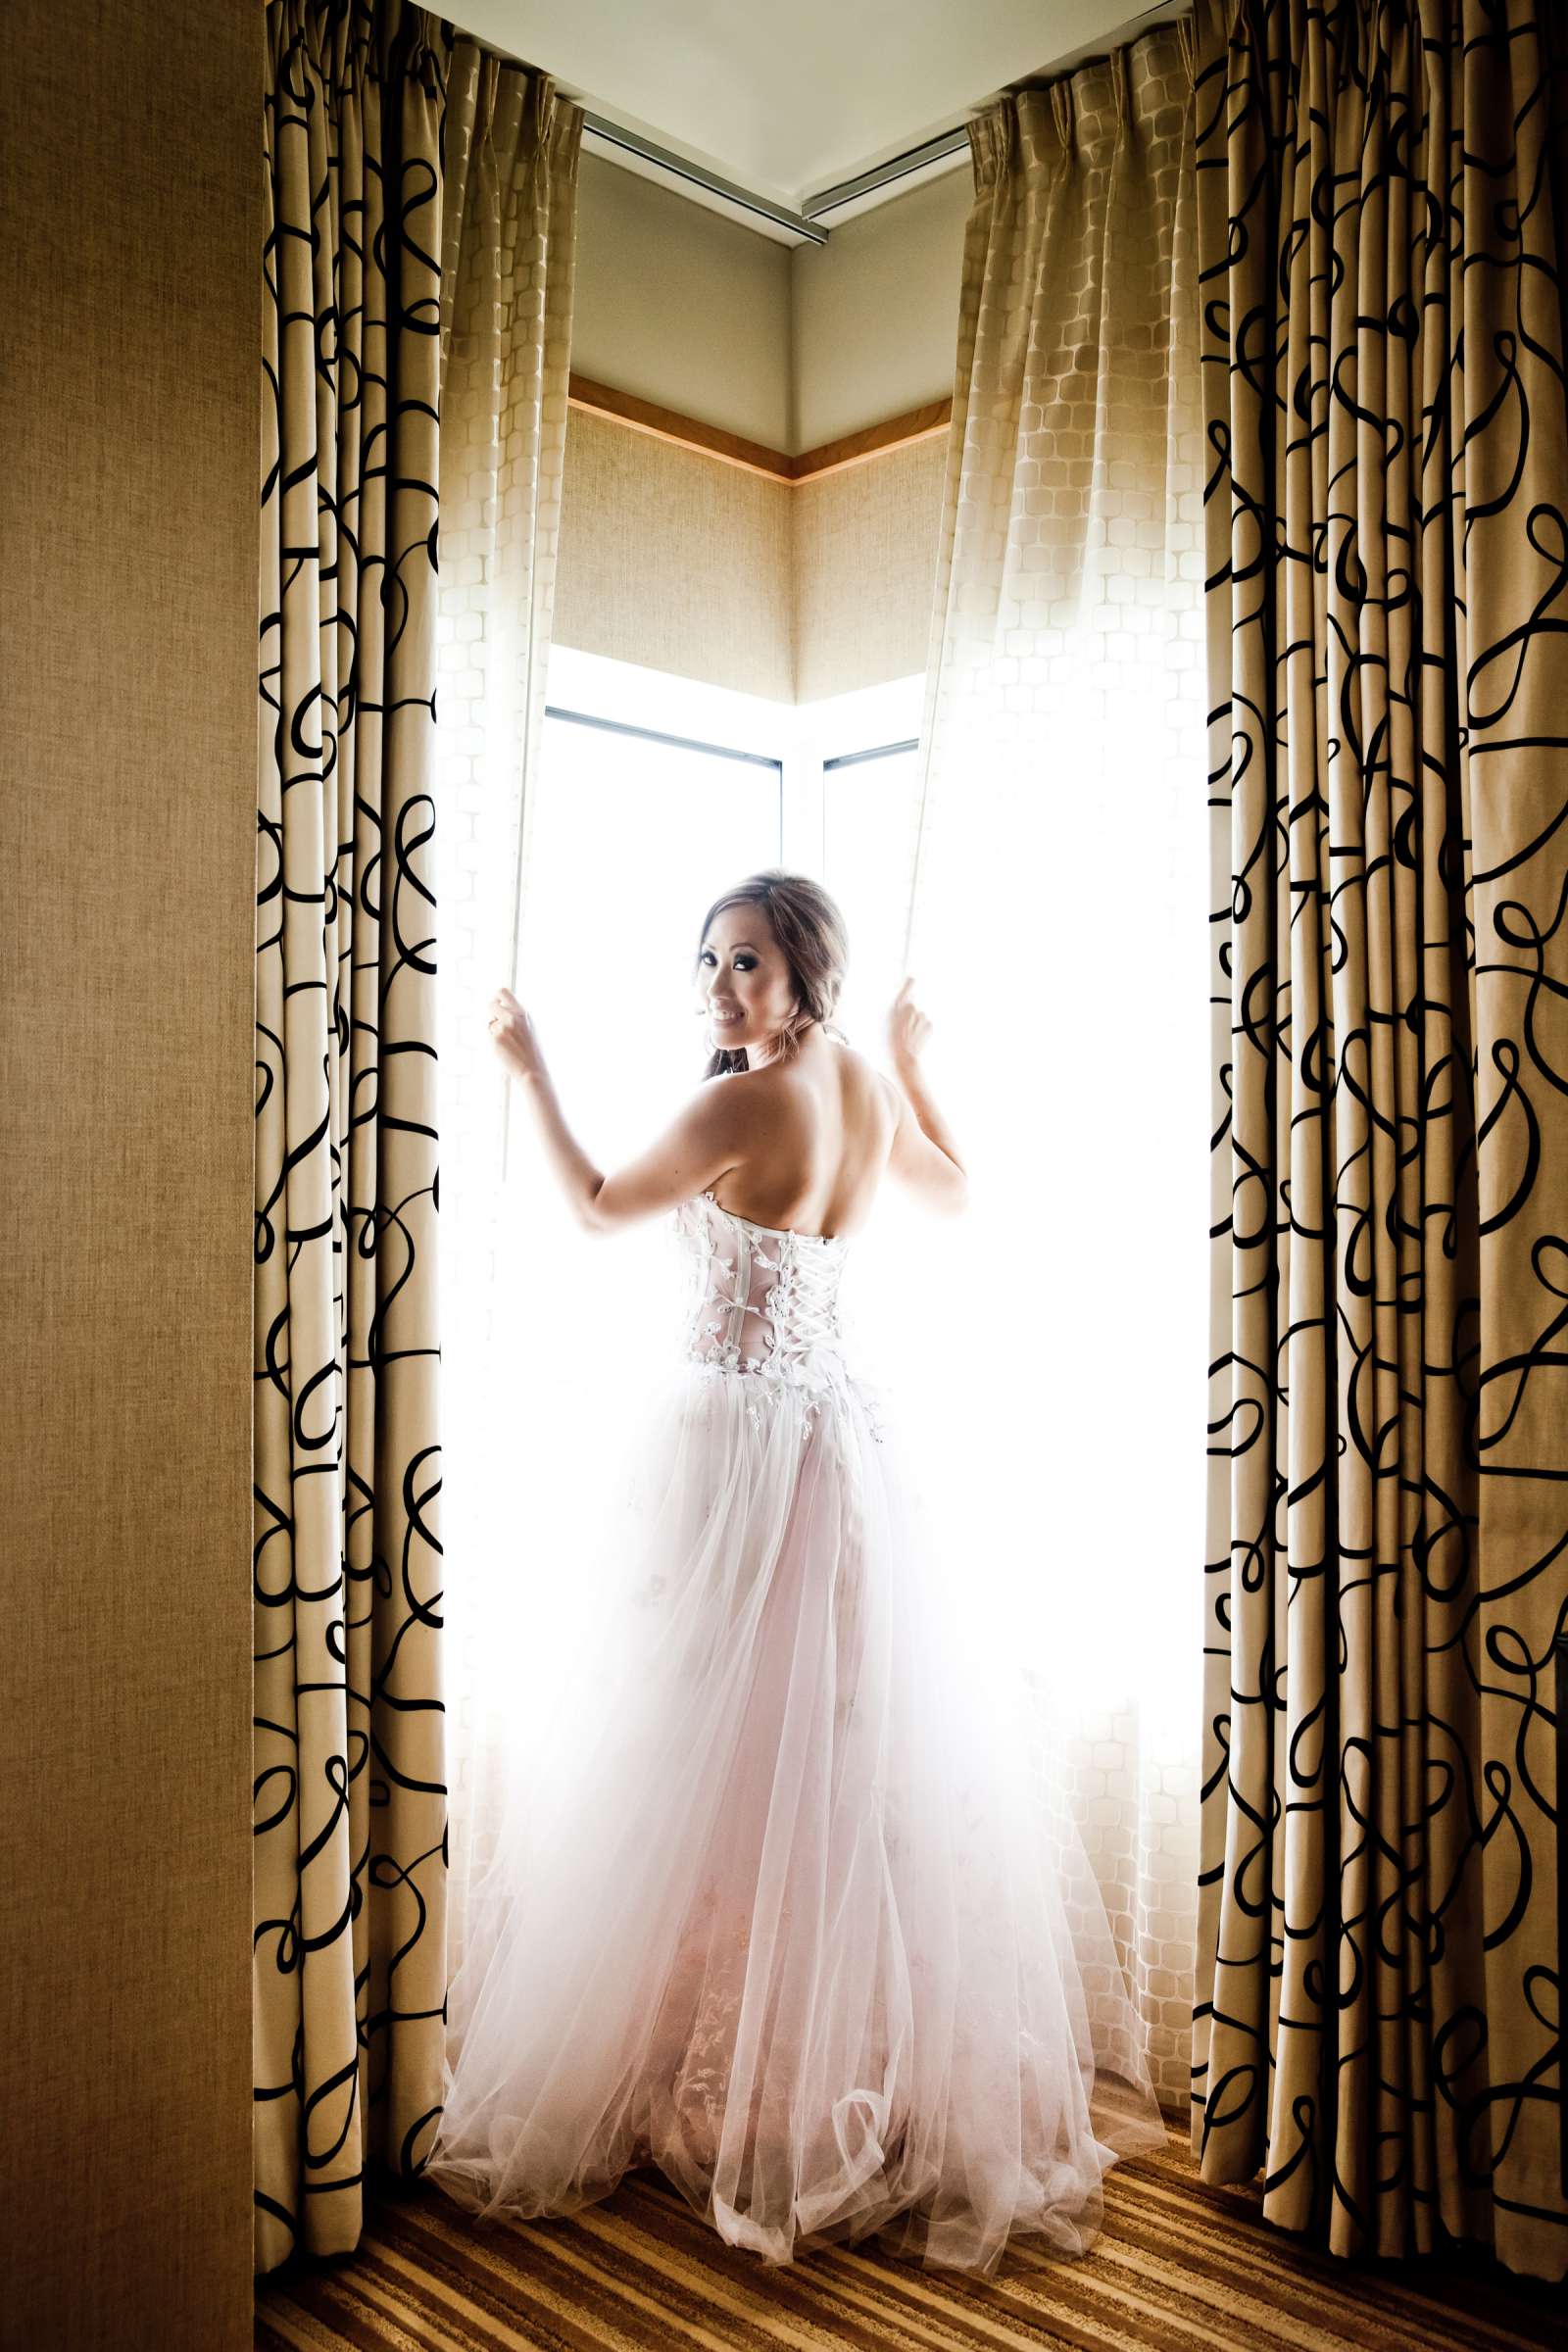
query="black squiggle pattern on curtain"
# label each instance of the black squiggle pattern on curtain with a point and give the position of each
(1381, 285)
(349, 1801)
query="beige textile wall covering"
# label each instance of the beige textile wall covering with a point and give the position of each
(684, 562)
(1381, 2015)
(865, 556)
(675, 561)
(350, 1802)
(130, 190)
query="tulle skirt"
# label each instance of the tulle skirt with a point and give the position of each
(788, 1916)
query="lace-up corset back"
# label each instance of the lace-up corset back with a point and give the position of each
(764, 1301)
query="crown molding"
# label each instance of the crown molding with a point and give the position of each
(874, 441)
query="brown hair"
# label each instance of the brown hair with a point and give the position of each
(809, 929)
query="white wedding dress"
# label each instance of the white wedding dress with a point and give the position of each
(797, 1927)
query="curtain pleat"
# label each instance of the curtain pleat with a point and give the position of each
(1057, 936)
(1382, 308)
(507, 286)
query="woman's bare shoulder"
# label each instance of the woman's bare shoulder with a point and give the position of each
(867, 1076)
(854, 1058)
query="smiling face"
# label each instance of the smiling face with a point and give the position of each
(748, 988)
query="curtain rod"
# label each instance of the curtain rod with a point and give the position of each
(802, 224)
(615, 134)
(896, 167)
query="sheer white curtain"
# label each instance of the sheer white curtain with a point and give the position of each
(507, 279)
(1058, 901)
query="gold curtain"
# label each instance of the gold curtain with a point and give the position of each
(1056, 935)
(349, 1797)
(1382, 307)
(405, 171)
(508, 278)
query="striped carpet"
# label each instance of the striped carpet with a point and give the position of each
(1180, 2267)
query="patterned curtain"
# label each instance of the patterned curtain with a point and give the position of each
(349, 1798)
(1057, 938)
(1382, 304)
(406, 176)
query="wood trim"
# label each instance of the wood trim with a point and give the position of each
(753, 457)
(874, 441)
(668, 424)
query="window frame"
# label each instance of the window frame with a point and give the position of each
(805, 741)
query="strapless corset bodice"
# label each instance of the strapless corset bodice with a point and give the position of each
(764, 1300)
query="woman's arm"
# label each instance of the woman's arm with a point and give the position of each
(701, 1143)
(924, 1154)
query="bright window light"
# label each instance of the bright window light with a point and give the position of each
(654, 795)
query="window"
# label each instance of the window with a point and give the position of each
(655, 794)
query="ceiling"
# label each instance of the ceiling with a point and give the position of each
(790, 100)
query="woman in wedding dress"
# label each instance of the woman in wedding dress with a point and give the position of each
(797, 1931)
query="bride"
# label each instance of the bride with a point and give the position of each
(799, 1931)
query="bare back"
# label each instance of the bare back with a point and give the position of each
(814, 1138)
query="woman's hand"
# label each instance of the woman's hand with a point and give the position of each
(908, 1028)
(513, 1035)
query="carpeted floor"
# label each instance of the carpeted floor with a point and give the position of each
(1180, 2267)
